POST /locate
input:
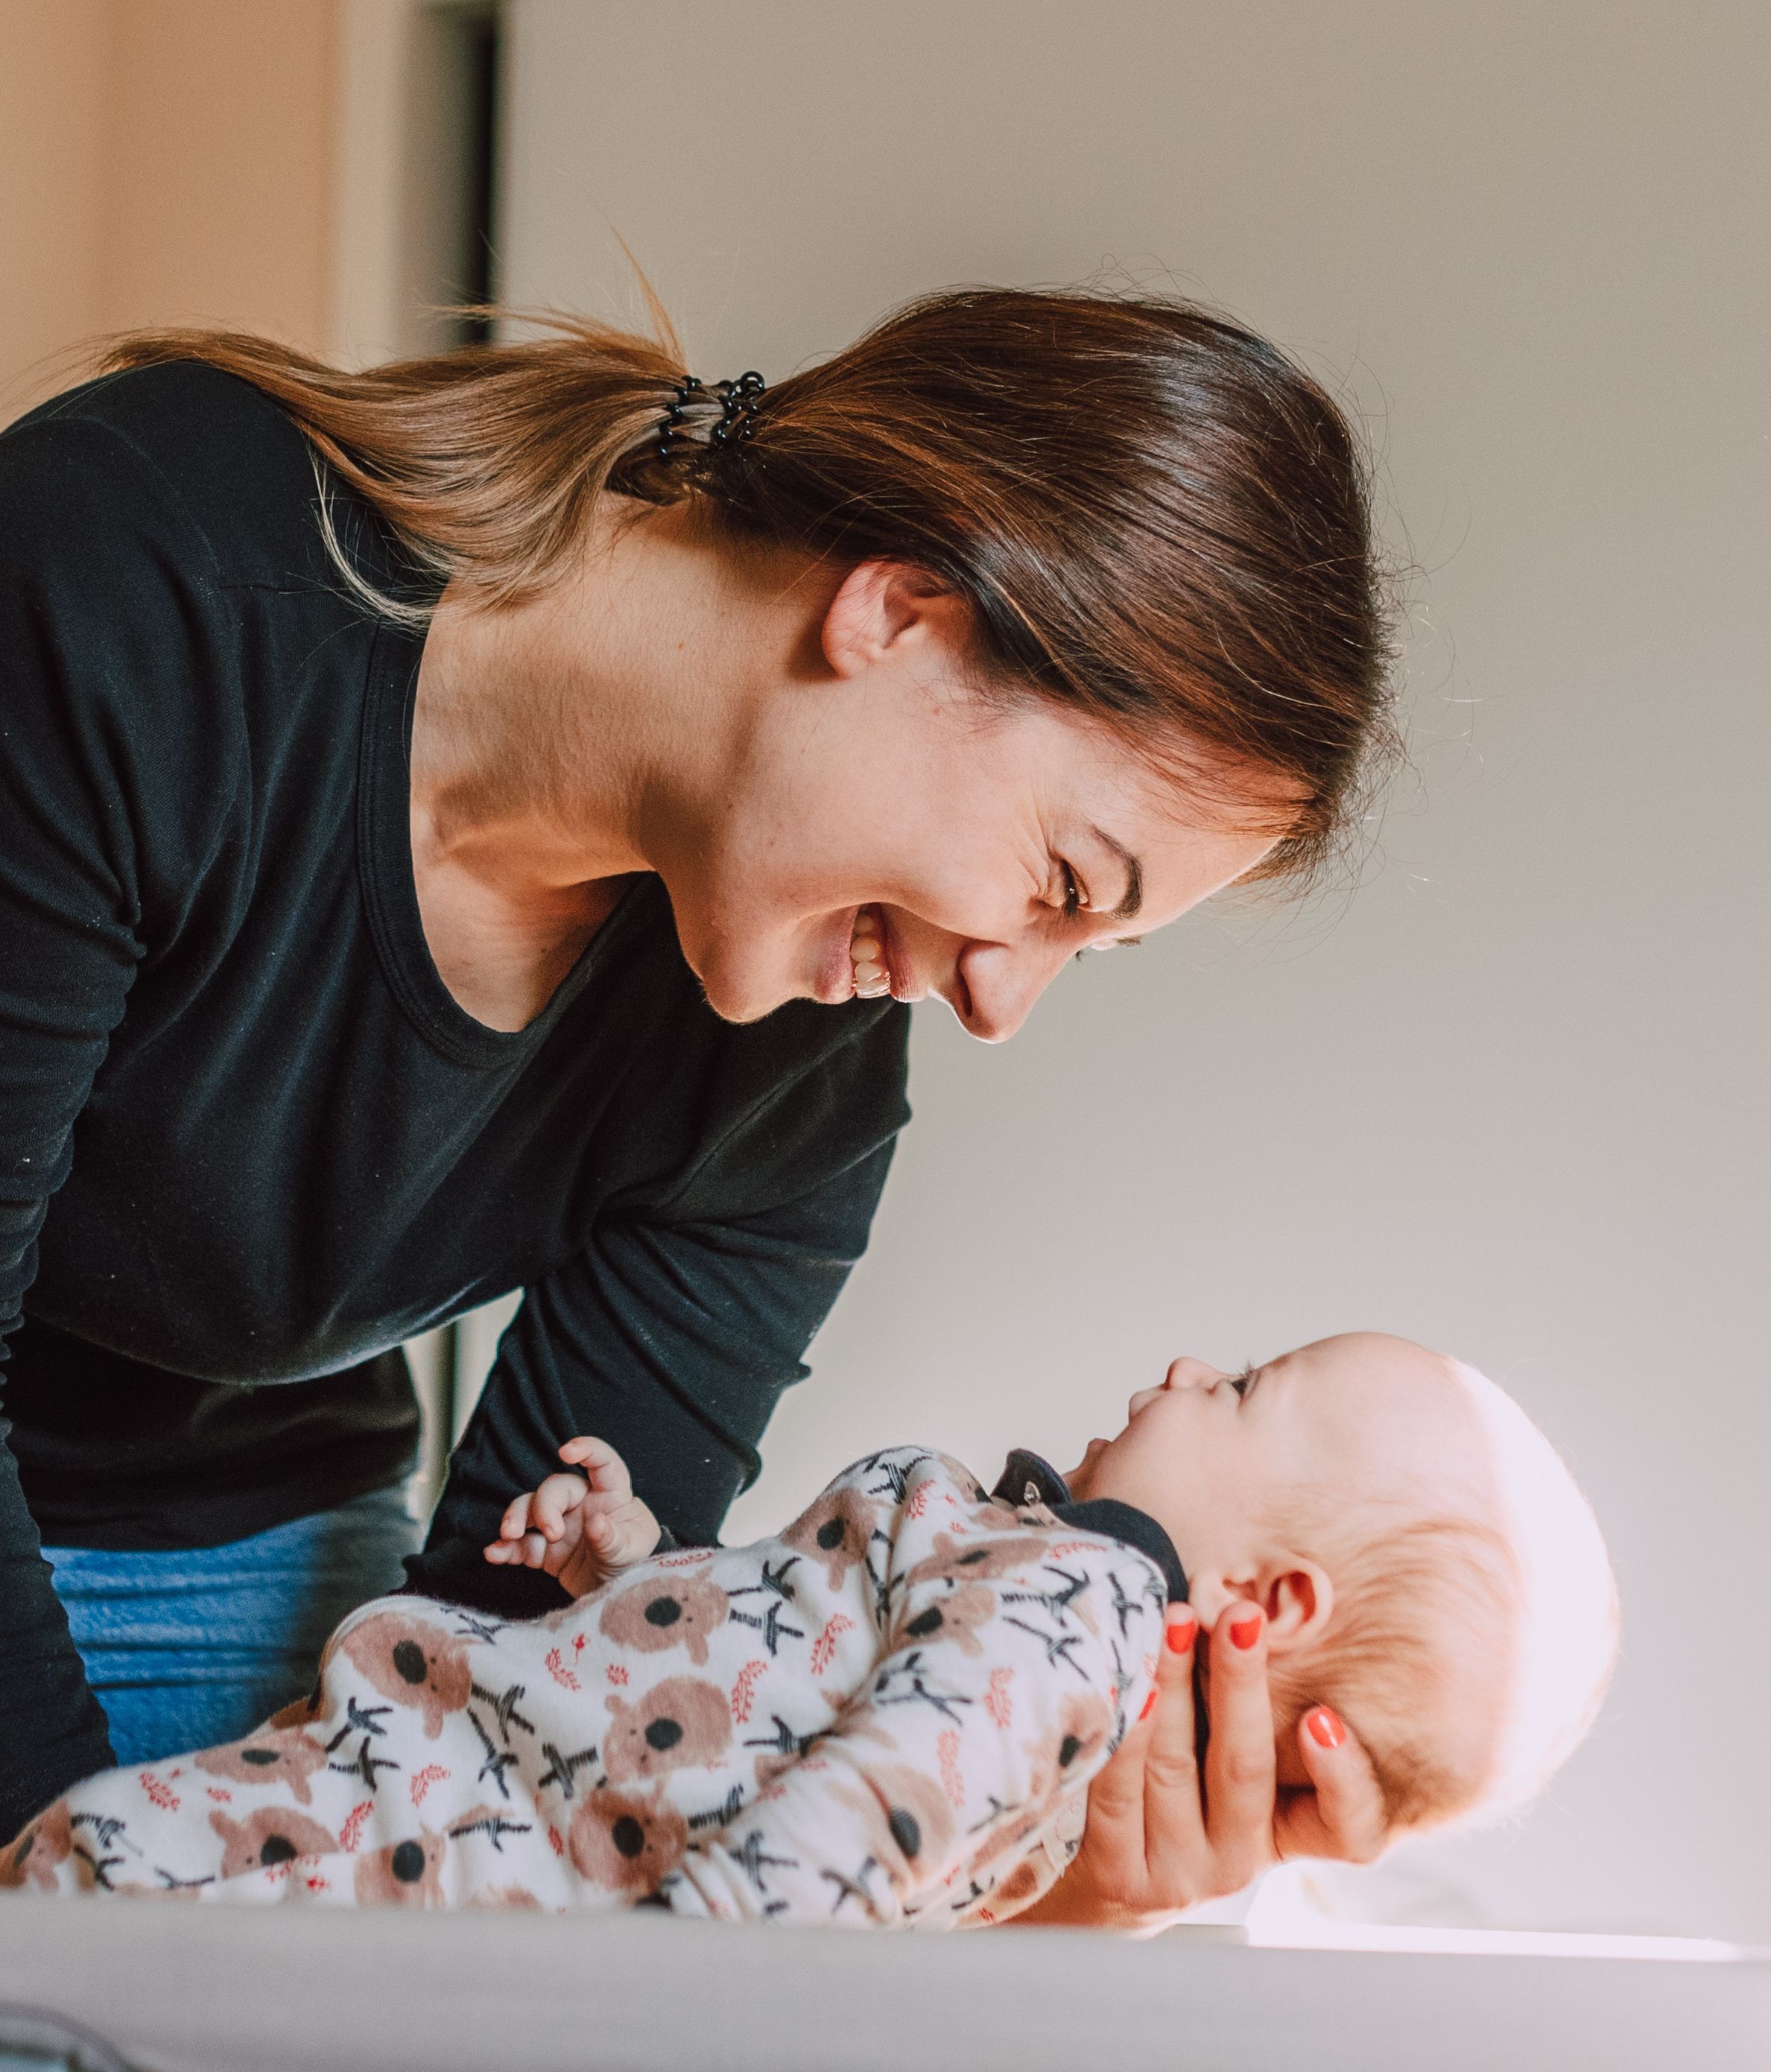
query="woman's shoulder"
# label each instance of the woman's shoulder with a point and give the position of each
(159, 539)
(199, 461)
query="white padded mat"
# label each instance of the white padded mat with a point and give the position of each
(191, 1989)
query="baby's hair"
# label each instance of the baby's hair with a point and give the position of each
(1427, 1713)
(1470, 1648)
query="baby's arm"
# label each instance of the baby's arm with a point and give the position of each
(1011, 1657)
(580, 1528)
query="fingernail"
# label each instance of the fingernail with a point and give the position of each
(1325, 1729)
(1149, 1706)
(1180, 1634)
(1244, 1632)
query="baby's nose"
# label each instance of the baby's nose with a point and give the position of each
(1188, 1372)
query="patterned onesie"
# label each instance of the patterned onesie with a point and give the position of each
(889, 1715)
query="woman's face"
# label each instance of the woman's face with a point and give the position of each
(893, 829)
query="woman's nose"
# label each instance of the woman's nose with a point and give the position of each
(999, 983)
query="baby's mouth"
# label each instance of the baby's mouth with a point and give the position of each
(867, 954)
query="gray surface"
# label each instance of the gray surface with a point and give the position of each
(195, 1989)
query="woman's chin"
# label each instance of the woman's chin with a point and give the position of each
(746, 991)
(741, 996)
(731, 1004)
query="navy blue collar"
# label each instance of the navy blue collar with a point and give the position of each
(1028, 1479)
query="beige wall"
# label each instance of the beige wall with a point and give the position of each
(165, 161)
(54, 75)
(1511, 1097)
(219, 165)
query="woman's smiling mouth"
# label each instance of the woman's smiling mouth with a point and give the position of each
(867, 955)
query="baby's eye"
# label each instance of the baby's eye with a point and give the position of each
(1242, 1382)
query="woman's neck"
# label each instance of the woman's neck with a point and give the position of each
(554, 740)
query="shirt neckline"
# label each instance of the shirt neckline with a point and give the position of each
(1027, 1478)
(390, 892)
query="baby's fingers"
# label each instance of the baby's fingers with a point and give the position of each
(601, 1464)
(515, 1521)
(515, 1544)
(553, 1502)
(599, 1530)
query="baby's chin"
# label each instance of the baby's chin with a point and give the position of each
(1080, 1477)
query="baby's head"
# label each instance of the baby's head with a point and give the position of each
(1427, 1567)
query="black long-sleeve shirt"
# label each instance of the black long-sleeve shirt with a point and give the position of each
(248, 1137)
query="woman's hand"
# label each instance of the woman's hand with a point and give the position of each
(580, 1528)
(1161, 1838)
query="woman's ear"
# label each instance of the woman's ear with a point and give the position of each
(879, 605)
(1299, 1599)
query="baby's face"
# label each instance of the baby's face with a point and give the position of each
(1214, 1457)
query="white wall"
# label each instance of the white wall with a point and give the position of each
(1510, 1098)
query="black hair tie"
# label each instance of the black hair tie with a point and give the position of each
(688, 388)
(738, 401)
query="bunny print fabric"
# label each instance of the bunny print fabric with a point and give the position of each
(888, 1716)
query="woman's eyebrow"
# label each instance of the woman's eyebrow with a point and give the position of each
(1134, 876)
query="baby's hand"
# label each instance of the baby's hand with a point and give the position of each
(581, 1528)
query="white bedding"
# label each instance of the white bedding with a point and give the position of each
(189, 1989)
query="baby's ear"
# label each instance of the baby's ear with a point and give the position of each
(1299, 1601)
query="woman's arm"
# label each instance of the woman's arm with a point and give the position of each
(673, 1334)
(1161, 1837)
(107, 788)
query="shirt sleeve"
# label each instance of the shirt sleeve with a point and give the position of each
(675, 1332)
(106, 620)
(1012, 1655)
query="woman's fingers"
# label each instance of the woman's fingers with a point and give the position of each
(1174, 1827)
(1241, 1772)
(1343, 1817)
(1154, 1845)
(1115, 1798)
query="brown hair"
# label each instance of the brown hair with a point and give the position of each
(1157, 517)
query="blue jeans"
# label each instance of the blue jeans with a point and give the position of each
(187, 1648)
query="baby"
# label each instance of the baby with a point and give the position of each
(891, 1713)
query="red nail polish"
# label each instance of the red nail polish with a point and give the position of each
(1180, 1634)
(1325, 1730)
(1244, 1632)
(1149, 1706)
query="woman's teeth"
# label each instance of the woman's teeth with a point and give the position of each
(867, 954)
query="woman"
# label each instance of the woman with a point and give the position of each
(474, 824)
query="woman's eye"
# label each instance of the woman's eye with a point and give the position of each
(1073, 893)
